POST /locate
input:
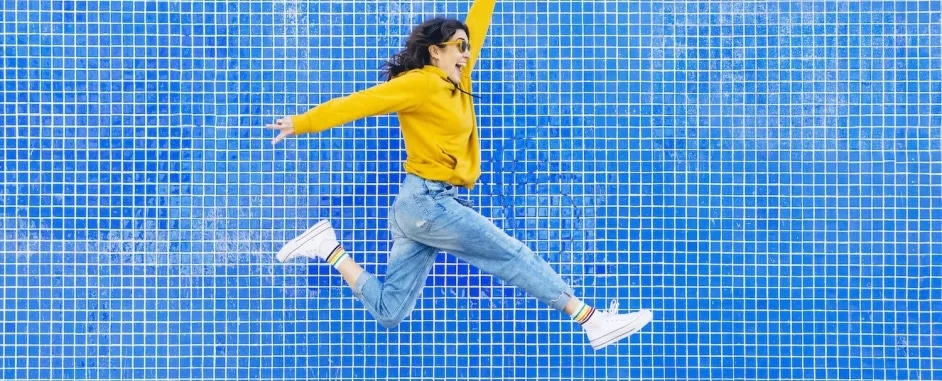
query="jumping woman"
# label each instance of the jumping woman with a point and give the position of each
(428, 86)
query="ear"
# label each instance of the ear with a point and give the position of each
(434, 52)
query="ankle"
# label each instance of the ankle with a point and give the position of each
(337, 256)
(582, 313)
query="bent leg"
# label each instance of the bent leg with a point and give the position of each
(392, 300)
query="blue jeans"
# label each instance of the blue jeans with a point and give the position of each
(426, 218)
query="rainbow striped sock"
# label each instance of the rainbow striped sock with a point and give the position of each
(337, 256)
(583, 313)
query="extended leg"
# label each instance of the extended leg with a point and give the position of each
(454, 227)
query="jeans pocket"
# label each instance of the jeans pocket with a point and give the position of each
(416, 214)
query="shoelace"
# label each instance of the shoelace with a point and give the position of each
(612, 309)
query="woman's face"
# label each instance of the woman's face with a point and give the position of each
(452, 55)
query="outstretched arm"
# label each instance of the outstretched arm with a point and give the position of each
(395, 95)
(478, 21)
(392, 96)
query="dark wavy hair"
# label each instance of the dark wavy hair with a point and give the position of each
(415, 55)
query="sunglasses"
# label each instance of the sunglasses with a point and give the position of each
(463, 45)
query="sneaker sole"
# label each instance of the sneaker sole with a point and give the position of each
(291, 248)
(634, 326)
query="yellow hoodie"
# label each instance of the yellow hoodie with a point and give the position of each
(437, 121)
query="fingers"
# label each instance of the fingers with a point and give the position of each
(282, 134)
(279, 124)
(284, 128)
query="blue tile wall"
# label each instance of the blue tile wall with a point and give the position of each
(767, 176)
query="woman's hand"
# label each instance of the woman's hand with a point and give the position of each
(284, 127)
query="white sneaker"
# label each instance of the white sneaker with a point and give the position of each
(316, 242)
(606, 327)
